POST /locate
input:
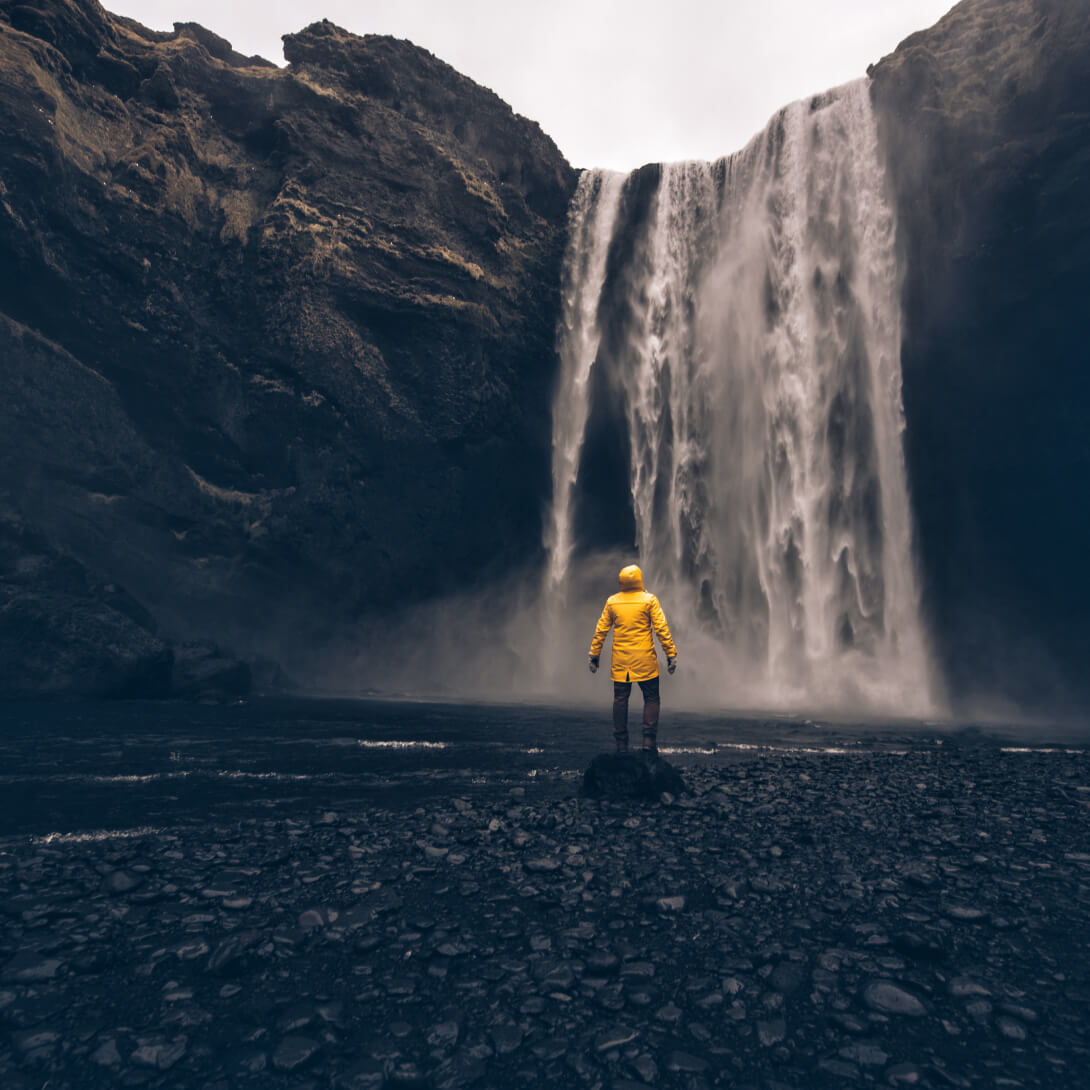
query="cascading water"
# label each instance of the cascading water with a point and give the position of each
(746, 317)
(590, 227)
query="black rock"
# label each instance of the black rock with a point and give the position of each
(28, 966)
(631, 776)
(457, 1073)
(887, 997)
(202, 671)
(925, 947)
(121, 881)
(293, 1052)
(788, 977)
(230, 956)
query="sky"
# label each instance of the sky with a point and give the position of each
(616, 83)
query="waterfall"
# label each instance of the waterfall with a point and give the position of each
(745, 316)
(590, 228)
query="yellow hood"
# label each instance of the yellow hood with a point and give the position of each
(631, 578)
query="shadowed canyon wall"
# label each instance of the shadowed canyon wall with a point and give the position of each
(986, 120)
(277, 343)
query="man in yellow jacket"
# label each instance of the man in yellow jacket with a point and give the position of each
(634, 614)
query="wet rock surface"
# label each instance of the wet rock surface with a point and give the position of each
(887, 919)
(985, 118)
(631, 775)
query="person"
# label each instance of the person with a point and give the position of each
(634, 614)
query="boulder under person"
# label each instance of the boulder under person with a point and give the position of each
(634, 614)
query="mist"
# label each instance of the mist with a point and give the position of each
(516, 641)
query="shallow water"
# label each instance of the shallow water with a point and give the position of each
(88, 769)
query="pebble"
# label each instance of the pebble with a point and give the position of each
(685, 1061)
(33, 1039)
(158, 1053)
(1011, 1028)
(444, 1035)
(542, 865)
(843, 1069)
(1024, 1014)
(920, 947)
(369, 1075)
(965, 913)
(602, 961)
(864, 1054)
(314, 918)
(121, 881)
(904, 1074)
(28, 966)
(962, 986)
(890, 998)
(772, 1032)
(106, 1055)
(614, 1037)
(788, 977)
(506, 1038)
(293, 1052)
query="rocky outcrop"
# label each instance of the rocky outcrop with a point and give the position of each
(986, 121)
(277, 343)
(62, 630)
(632, 775)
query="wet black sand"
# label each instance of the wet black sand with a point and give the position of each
(905, 917)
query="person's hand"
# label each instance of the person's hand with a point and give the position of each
(671, 663)
(593, 664)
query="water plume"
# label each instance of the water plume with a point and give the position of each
(744, 316)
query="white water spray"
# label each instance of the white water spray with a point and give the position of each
(590, 227)
(754, 334)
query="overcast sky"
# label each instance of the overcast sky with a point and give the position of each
(616, 83)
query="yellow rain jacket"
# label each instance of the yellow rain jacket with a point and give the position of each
(633, 614)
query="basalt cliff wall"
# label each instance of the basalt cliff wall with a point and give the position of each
(277, 344)
(986, 122)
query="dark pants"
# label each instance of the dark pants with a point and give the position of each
(621, 692)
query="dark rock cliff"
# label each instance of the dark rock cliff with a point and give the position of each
(986, 121)
(277, 344)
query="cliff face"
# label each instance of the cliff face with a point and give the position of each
(277, 343)
(986, 121)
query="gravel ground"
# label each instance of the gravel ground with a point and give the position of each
(794, 920)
